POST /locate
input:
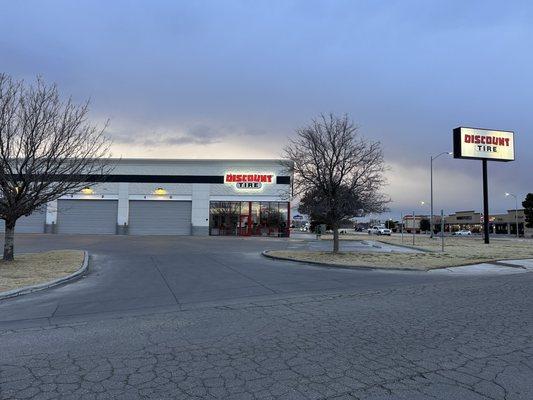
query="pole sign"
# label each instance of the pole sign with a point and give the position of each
(480, 144)
(485, 145)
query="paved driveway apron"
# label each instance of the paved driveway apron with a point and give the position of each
(131, 274)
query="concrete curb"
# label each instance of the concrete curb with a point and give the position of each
(501, 263)
(42, 286)
(342, 266)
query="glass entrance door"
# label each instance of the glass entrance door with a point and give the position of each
(244, 219)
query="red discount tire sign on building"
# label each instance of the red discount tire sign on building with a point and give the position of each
(248, 181)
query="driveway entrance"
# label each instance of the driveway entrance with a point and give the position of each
(151, 273)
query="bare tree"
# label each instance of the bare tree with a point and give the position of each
(337, 173)
(47, 150)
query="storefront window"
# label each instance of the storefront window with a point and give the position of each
(264, 227)
(249, 218)
(244, 220)
(255, 214)
(283, 208)
(224, 217)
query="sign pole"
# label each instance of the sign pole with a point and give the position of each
(485, 202)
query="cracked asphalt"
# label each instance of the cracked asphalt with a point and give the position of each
(186, 318)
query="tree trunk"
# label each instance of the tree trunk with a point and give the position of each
(9, 241)
(335, 239)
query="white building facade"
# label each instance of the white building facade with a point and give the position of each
(175, 197)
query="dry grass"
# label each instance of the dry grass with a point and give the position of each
(34, 268)
(458, 251)
(471, 247)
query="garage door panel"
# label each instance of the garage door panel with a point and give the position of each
(148, 217)
(33, 223)
(87, 216)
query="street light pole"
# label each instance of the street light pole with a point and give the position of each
(431, 184)
(515, 211)
(431, 200)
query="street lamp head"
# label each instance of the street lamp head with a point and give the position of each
(440, 154)
(507, 194)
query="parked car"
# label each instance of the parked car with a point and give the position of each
(462, 233)
(379, 230)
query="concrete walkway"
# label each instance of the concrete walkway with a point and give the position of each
(364, 245)
(498, 268)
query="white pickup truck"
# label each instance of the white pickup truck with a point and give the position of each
(379, 230)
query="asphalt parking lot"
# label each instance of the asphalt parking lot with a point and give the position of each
(136, 273)
(185, 317)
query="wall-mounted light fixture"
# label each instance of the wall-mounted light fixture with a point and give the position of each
(160, 191)
(87, 190)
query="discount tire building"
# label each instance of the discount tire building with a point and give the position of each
(174, 197)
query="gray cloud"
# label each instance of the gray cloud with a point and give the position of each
(196, 135)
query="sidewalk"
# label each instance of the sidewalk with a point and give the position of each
(497, 268)
(365, 244)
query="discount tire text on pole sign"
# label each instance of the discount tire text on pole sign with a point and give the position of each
(479, 144)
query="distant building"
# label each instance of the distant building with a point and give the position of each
(410, 223)
(505, 223)
(299, 220)
(473, 221)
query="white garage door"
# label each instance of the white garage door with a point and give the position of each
(149, 217)
(33, 223)
(87, 216)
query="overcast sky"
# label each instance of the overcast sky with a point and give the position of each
(233, 79)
